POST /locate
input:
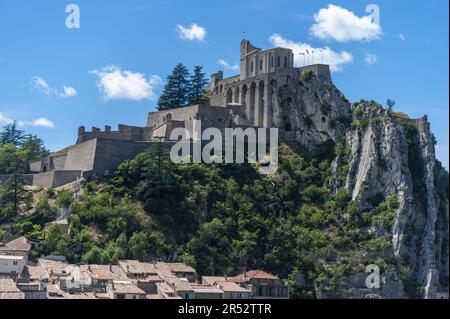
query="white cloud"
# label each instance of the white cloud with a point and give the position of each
(227, 66)
(336, 60)
(42, 85)
(40, 122)
(4, 120)
(118, 84)
(340, 24)
(370, 58)
(69, 91)
(192, 33)
(402, 37)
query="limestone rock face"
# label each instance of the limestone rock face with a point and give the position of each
(388, 154)
(312, 111)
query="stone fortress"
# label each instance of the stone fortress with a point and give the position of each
(245, 100)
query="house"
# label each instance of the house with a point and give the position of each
(103, 275)
(207, 292)
(75, 280)
(232, 290)
(9, 290)
(165, 291)
(11, 266)
(125, 290)
(54, 268)
(33, 282)
(262, 284)
(180, 270)
(135, 269)
(16, 247)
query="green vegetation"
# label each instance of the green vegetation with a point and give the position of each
(215, 217)
(306, 75)
(183, 89)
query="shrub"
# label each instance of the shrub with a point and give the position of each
(64, 199)
(306, 75)
(357, 112)
(325, 108)
(314, 193)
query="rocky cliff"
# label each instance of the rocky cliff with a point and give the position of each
(385, 154)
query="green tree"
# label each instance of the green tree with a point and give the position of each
(176, 91)
(93, 256)
(13, 161)
(34, 147)
(52, 239)
(12, 135)
(138, 246)
(390, 104)
(197, 87)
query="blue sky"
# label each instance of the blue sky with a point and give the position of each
(54, 79)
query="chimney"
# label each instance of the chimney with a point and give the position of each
(107, 128)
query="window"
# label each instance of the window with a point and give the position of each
(279, 62)
(251, 67)
(260, 65)
(271, 61)
(285, 62)
(15, 263)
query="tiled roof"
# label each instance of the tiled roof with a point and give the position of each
(33, 272)
(206, 289)
(19, 244)
(11, 295)
(8, 285)
(211, 280)
(253, 274)
(175, 267)
(228, 286)
(125, 288)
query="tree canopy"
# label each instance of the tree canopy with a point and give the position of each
(182, 88)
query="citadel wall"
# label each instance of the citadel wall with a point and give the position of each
(124, 132)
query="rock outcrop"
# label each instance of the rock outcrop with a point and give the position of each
(387, 154)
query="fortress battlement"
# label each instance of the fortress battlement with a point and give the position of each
(124, 133)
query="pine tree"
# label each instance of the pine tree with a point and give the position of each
(176, 91)
(12, 135)
(197, 86)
